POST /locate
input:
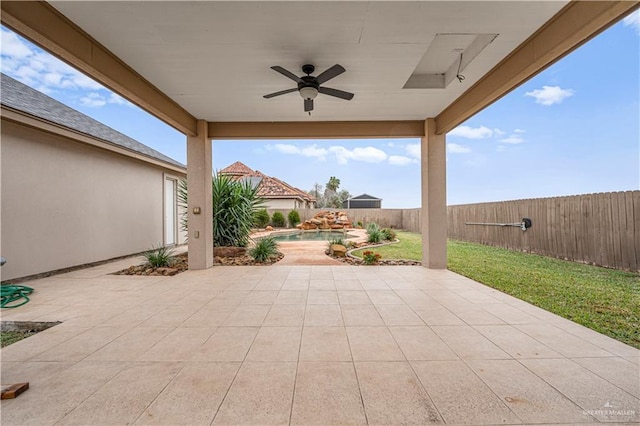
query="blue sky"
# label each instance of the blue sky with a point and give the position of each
(573, 129)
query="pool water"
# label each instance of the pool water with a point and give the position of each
(311, 236)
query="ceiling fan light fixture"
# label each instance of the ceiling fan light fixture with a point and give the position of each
(308, 92)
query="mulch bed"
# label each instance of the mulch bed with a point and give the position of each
(181, 264)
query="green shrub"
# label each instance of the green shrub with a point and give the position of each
(294, 218)
(370, 258)
(374, 234)
(261, 218)
(278, 220)
(372, 226)
(359, 224)
(336, 240)
(264, 249)
(388, 234)
(160, 257)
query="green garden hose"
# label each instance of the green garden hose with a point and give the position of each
(14, 293)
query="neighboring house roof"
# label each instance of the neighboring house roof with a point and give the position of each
(237, 169)
(365, 197)
(23, 98)
(269, 187)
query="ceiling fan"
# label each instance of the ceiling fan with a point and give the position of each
(309, 86)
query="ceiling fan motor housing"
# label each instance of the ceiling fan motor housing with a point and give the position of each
(308, 87)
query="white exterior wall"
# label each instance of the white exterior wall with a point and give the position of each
(282, 203)
(66, 203)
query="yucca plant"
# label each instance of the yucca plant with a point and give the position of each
(182, 204)
(234, 206)
(265, 248)
(160, 257)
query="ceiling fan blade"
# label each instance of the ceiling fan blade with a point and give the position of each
(332, 72)
(282, 92)
(286, 73)
(308, 105)
(336, 93)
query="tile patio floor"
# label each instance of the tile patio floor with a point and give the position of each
(307, 345)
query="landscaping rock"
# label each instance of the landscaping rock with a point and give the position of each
(167, 271)
(269, 228)
(338, 250)
(327, 219)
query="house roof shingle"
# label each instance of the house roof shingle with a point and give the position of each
(270, 187)
(23, 98)
(237, 169)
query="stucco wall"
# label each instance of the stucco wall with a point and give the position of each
(65, 203)
(282, 204)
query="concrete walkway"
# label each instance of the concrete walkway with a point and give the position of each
(307, 345)
(305, 253)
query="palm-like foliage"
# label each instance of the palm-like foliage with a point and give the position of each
(234, 206)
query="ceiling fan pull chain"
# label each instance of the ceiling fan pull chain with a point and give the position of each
(459, 76)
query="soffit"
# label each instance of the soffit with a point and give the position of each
(213, 58)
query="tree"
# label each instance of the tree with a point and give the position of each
(316, 192)
(337, 199)
(330, 192)
(333, 184)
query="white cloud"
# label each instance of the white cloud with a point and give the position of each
(454, 148)
(367, 154)
(518, 131)
(550, 95)
(342, 154)
(401, 160)
(42, 71)
(307, 151)
(119, 100)
(481, 132)
(413, 150)
(513, 139)
(13, 47)
(498, 132)
(633, 20)
(93, 100)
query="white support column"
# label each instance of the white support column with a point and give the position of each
(199, 173)
(434, 198)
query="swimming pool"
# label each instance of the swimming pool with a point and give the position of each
(311, 236)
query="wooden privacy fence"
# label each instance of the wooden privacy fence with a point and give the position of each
(600, 229)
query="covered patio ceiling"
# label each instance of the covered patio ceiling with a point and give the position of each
(189, 61)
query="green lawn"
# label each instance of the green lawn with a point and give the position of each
(9, 337)
(605, 300)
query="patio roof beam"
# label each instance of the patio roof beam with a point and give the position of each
(316, 129)
(574, 25)
(45, 26)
